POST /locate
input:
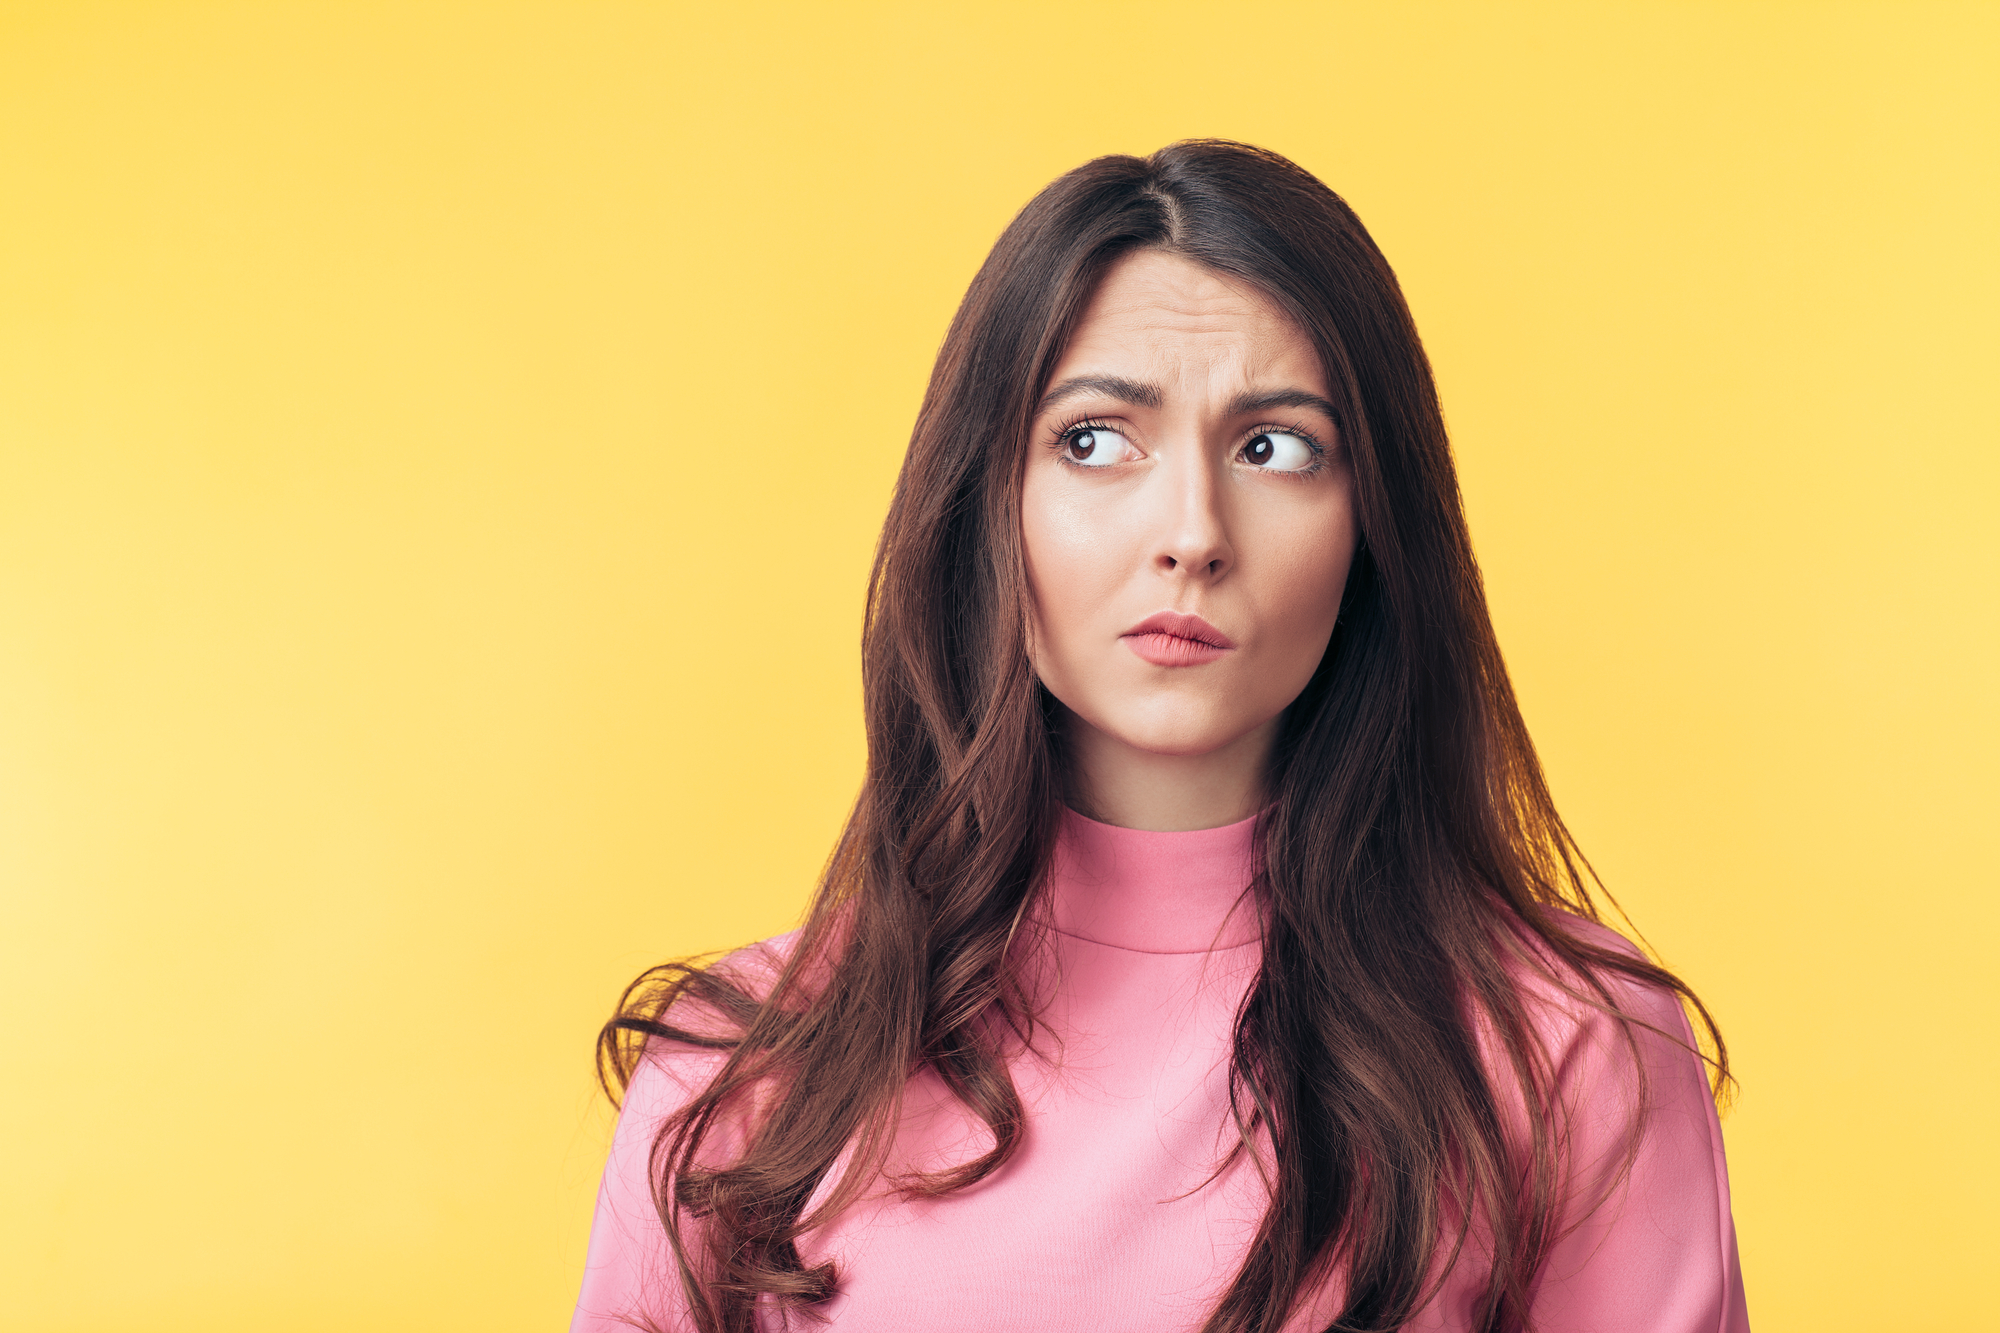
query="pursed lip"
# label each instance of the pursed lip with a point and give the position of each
(1182, 627)
(1170, 639)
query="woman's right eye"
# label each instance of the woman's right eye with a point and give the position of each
(1094, 446)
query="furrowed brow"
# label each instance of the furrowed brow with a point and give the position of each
(1136, 393)
(1264, 402)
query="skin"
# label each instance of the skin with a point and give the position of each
(1157, 481)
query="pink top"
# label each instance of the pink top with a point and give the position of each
(1107, 1218)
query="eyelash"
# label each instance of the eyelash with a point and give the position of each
(1071, 426)
(1075, 424)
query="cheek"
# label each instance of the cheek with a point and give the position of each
(1302, 599)
(1072, 551)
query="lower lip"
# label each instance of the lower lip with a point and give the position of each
(1170, 650)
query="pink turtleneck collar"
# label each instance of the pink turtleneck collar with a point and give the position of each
(1154, 892)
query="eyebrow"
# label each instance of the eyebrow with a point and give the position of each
(1135, 392)
(1264, 402)
(1140, 394)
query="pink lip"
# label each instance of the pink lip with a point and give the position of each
(1169, 639)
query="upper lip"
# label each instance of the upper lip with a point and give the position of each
(1181, 627)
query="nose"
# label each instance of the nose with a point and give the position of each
(1194, 532)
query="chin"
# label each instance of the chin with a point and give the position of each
(1178, 732)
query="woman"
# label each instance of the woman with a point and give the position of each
(1204, 951)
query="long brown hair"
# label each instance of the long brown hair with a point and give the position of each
(1413, 862)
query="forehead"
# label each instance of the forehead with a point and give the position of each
(1163, 317)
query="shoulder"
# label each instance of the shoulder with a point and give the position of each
(1645, 1238)
(1609, 1044)
(1572, 994)
(714, 1002)
(710, 1002)
(1617, 1055)
(756, 968)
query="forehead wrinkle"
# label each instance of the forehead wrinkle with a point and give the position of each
(1193, 302)
(1176, 283)
(1164, 332)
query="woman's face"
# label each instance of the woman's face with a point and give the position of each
(1188, 511)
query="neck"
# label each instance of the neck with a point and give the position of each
(1118, 783)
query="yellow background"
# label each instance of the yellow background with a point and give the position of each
(440, 450)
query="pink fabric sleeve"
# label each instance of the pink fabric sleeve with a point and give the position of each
(1654, 1252)
(628, 1277)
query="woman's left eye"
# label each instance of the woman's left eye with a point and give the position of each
(1279, 451)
